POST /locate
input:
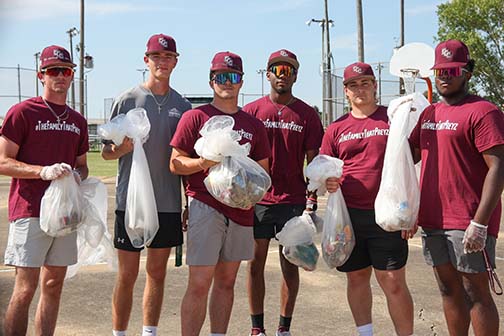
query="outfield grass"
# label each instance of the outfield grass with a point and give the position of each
(99, 167)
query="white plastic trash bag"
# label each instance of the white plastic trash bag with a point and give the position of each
(338, 238)
(94, 242)
(398, 199)
(296, 238)
(141, 218)
(62, 207)
(237, 181)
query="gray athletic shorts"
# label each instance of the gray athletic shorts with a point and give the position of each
(212, 237)
(29, 246)
(444, 246)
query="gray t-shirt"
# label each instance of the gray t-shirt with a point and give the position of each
(167, 186)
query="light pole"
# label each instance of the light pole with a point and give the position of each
(71, 33)
(37, 55)
(326, 69)
(143, 71)
(81, 65)
(261, 72)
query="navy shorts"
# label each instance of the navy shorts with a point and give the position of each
(169, 233)
(374, 246)
(270, 219)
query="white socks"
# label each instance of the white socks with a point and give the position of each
(149, 331)
(217, 334)
(365, 330)
(119, 332)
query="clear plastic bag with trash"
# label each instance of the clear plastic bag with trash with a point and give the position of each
(141, 218)
(237, 181)
(338, 239)
(398, 198)
(296, 238)
(94, 242)
(62, 209)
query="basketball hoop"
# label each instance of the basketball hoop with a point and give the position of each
(411, 61)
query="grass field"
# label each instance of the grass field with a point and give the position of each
(99, 167)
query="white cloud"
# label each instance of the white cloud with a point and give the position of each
(41, 9)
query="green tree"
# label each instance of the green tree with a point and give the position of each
(480, 25)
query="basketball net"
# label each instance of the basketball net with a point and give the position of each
(409, 77)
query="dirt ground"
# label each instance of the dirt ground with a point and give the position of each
(321, 307)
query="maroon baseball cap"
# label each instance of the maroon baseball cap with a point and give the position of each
(451, 54)
(226, 60)
(161, 42)
(357, 70)
(283, 55)
(55, 56)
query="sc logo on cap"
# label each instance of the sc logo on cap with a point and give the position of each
(228, 60)
(357, 69)
(284, 53)
(57, 53)
(163, 42)
(446, 53)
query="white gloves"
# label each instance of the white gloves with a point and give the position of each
(55, 171)
(474, 237)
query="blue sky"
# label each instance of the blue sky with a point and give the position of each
(117, 31)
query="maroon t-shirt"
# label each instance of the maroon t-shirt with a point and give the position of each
(360, 143)
(42, 141)
(291, 132)
(251, 130)
(451, 140)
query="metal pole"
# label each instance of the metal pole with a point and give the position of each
(19, 82)
(261, 72)
(324, 86)
(360, 31)
(401, 43)
(81, 64)
(36, 73)
(70, 33)
(379, 83)
(329, 72)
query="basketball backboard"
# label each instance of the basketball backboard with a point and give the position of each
(410, 58)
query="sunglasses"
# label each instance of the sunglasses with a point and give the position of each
(232, 77)
(54, 72)
(282, 69)
(449, 72)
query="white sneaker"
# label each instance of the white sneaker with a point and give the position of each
(283, 333)
(255, 331)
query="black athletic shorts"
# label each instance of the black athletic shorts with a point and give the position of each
(374, 246)
(270, 219)
(169, 233)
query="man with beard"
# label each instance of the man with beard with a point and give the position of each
(295, 133)
(164, 107)
(460, 141)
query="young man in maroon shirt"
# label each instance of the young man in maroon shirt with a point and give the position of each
(41, 140)
(359, 139)
(295, 133)
(218, 237)
(460, 141)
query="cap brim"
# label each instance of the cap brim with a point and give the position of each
(448, 65)
(60, 64)
(345, 82)
(157, 51)
(281, 59)
(226, 70)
